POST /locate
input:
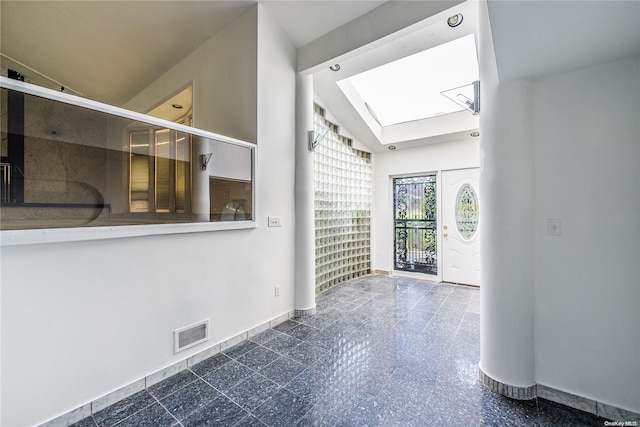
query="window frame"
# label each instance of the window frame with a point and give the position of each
(55, 235)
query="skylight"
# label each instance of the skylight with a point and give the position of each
(410, 88)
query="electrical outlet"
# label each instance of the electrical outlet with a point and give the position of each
(274, 221)
(277, 290)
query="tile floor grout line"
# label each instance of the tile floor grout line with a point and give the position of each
(166, 409)
(134, 413)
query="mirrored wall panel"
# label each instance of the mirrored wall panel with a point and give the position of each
(64, 165)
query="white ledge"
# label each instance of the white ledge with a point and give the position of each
(58, 235)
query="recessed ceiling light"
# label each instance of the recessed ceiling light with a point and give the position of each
(455, 20)
(391, 147)
(177, 106)
(475, 134)
(335, 67)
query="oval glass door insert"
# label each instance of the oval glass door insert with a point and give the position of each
(467, 212)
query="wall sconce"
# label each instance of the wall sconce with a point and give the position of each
(315, 140)
(467, 96)
(205, 159)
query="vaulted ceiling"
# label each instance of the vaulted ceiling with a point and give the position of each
(109, 50)
(534, 39)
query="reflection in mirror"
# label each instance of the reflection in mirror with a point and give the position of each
(65, 165)
(178, 108)
(230, 183)
(230, 200)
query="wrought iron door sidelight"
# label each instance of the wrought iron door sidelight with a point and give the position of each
(415, 224)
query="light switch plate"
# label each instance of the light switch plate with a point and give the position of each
(554, 227)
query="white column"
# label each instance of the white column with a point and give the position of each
(506, 222)
(200, 203)
(305, 296)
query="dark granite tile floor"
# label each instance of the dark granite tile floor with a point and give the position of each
(381, 351)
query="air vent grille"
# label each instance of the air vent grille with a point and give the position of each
(191, 335)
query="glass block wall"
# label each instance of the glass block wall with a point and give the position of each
(342, 206)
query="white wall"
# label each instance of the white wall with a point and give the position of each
(506, 222)
(408, 162)
(223, 73)
(82, 319)
(587, 287)
(276, 161)
(562, 311)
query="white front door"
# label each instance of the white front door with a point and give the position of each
(460, 237)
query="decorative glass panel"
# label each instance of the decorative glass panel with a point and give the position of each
(342, 207)
(467, 212)
(415, 224)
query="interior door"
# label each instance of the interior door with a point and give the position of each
(460, 235)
